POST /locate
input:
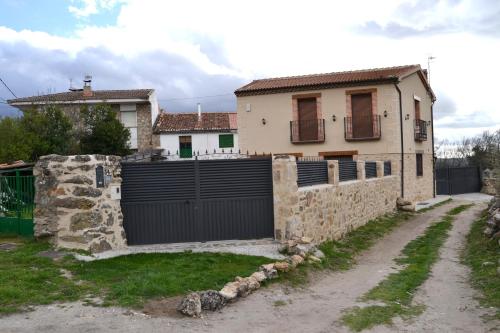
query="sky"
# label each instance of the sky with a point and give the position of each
(194, 51)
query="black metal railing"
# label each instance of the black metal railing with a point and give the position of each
(362, 128)
(387, 168)
(312, 173)
(348, 170)
(370, 169)
(307, 131)
(420, 130)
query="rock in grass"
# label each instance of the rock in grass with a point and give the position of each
(305, 240)
(318, 254)
(212, 300)
(230, 290)
(402, 202)
(259, 276)
(296, 260)
(282, 266)
(314, 259)
(269, 271)
(190, 305)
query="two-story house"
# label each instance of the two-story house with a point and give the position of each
(136, 108)
(204, 134)
(373, 114)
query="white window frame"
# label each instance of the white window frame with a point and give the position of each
(124, 108)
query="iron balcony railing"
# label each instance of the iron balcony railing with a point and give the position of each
(307, 131)
(420, 130)
(362, 128)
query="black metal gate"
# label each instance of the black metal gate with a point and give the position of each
(197, 200)
(458, 180)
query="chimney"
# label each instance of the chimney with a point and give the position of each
(87, 89)
(199, 111)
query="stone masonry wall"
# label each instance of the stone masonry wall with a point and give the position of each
(71, 210)
(328, 211)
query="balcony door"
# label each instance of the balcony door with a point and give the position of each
(308, 119)
(362, 120)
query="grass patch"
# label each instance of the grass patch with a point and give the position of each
(27, 279)
(484, 277)
(397, 290)
(442, 203)
(279, 303)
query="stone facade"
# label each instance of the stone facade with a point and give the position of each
(71, 210)
(328, 211)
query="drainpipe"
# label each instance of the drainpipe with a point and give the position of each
(433, 156)
(401, 139)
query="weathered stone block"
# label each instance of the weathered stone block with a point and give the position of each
(79, 179)
(87, 192)
(85, 220)
(74, 203)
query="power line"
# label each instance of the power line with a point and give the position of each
(6, 86)
(194, 97)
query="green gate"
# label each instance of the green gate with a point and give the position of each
(17, 195)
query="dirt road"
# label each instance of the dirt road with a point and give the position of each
(317, 308)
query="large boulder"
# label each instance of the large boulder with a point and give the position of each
(230, 290)
(190, 305)
(402, 202)
(269, 271)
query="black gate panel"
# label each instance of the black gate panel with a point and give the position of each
(458, 180)
(196, 201)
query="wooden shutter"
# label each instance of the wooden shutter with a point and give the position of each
(362, 120)
(417, 109)
(308, 119)
(226, 141)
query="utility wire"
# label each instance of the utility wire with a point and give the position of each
(6, 86)
(194, 97)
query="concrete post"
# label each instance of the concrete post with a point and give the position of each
(361, 170)
(333, 172)
(380, 169)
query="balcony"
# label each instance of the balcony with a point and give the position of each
(420, 130)
(361, 128)
(307, 131)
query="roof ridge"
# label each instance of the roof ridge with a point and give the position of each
(335, 73)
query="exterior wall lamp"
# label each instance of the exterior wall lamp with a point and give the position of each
(385, 113)
(264, 121)
(334, 118)
(428, 123)
(407, 116)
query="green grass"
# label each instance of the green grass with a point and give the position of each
(27, 279)
(478, 251)
(398, 289)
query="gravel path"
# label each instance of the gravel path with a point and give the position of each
(316, 308)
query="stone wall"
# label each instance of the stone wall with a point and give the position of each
(328, 211)
(71, 210)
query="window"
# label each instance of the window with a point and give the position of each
(185, 147)
(420, 167)
(417, 109)
(226, 141)
(128, 117)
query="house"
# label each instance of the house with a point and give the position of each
(136, 108)
(208, 134)
(373, 114)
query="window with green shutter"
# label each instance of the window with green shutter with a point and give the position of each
(226, 141)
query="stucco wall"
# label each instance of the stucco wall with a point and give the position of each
(71, 210)
(201, 142)
(328, 211)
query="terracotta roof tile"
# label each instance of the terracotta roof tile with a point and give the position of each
(71, 96)
(327, 80)
(188, 122)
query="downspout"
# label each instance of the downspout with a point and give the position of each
(401, 140)
(433, 156)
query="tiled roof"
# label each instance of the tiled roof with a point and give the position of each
(188, 122)
(71, 96)
(327, 80)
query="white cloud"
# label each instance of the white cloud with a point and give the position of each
(276, 38)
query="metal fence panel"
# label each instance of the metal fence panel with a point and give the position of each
(348, 170)
(17, 195)
(197, 200)
(312, 173)
(458, 180)
(370, 169)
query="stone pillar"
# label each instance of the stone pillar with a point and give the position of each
(71, 210)
(380, 169)
(361, 170)
(285, 192)
(333, 172)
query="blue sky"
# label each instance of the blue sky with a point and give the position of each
(194, 48)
